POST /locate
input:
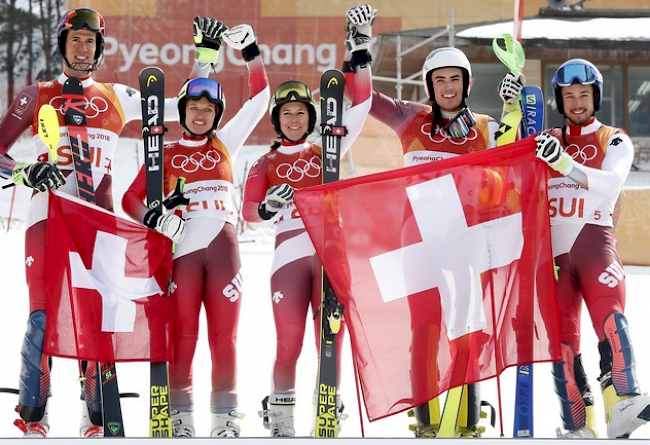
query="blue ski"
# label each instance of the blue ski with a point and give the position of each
(532, 105)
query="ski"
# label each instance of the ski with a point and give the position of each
(450, 413)
(332, 84)
(74, 111)
(532, 104)
(152, 90)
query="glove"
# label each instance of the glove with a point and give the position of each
(277, 196)
(360, 20)
(170, 225)
(550, 151)
(239, 37)
(176, 198)
(510, 87)
(39, 175)
(208, 34)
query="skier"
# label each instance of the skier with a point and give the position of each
(590, 163)
(207, 267)
(444, 129)
(296, 274)
(81, 45)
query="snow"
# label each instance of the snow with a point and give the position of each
(619, 29)
(256, 349)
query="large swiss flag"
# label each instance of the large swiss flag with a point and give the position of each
(106, 280)
(445, 270)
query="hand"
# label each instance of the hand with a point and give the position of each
(550, 151)
(239, 37)
(170, 225)
(176, 198)
(510, 87)
(208, 34)
(39, 175)
(360, 20)
(277, 197)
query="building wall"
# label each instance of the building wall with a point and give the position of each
(301, 38)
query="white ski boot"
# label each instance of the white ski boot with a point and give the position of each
(580, 433)
(225, 424)
(34, 430)
(624, 414)
(278, 414)
(86, 428)
(182, 423)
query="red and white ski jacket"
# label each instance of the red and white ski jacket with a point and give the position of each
(300, 164)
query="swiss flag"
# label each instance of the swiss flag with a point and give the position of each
(445, 270)
(106, 280)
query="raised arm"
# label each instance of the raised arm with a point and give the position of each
(237, 130)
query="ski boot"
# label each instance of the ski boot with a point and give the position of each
(277, 414)
(87, 428)
(33, 430)
(625, 413)
(471, 413)
(427, 418)
(182, 423)
(625, 408)
(225, 424)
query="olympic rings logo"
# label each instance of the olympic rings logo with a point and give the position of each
(582, 154)
(299, 169)
(95, 104)
(190, 164)
(440, 135)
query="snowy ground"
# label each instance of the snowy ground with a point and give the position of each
(256, 349)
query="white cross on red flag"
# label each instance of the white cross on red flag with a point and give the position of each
(106, 280)
(445, 270)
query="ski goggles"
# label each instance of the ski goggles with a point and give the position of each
(203, 86)
(460, 125)
(82, 18)
(292, 90)
(580, 73)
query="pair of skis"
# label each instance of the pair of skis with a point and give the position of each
(530, 112)
(74, 110)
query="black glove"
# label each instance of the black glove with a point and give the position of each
(176, 198)
(39, 175)
(208, 34)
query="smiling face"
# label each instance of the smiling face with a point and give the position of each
(578, 101)
(199, 115)
(294, 120)
(448, 88)
(80, 46)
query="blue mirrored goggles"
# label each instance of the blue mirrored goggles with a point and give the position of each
(578, 73)
(196, 88)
